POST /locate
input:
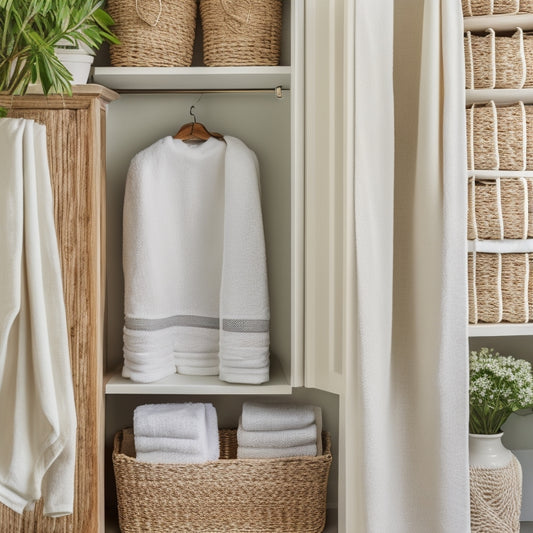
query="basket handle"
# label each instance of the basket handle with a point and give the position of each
(235, 21)
(144, 19)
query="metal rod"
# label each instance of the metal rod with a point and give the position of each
(277, 91)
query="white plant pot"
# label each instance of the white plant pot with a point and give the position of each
(79, 65)
(77, 60)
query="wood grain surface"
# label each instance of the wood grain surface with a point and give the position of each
(76, 150)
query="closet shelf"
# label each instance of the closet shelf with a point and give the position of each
(499, 22)
(500, 330)
(192, 78)
(180, 384)
(499, 96)
(494, 174)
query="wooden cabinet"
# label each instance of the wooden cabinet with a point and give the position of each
(76, 150)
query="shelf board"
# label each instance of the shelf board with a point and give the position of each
(494, 174)
(181, 384)
(500, 330)
(499, 22)
(499, 96)
(192, 78)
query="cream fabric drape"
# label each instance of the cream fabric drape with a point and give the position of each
(405, 406)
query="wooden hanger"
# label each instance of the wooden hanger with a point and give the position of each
(195, 131)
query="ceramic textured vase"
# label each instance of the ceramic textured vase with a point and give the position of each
(495, 485)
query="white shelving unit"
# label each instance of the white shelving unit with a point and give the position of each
(500, 330)
(499, 96)
(193, 78)
(180, 384)
(499, 22)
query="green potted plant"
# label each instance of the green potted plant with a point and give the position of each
(31, 29)
(499, 386)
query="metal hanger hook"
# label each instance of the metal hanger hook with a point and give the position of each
(192, 114)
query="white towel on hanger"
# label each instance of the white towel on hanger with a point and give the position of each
(37, 414)
(194, 263)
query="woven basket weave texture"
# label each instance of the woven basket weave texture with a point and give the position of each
(500, 137)
(228, 495)
(153, 33)
(500, 287)
(495, 498)
(241, 32)
(498, 62)
(500, 209)
(489, 7)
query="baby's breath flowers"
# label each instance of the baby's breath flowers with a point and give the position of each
(499, 386)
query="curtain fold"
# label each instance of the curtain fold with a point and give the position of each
(406, 400)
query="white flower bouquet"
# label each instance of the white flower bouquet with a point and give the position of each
(499, 386)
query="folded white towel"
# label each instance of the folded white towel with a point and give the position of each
(179, 420)
(164, 449)
(285, 438)
(194, 262)
(271, 453)
(165, 444)
(274, 416)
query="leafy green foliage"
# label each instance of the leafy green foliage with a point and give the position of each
(29, 30)
(499, 386)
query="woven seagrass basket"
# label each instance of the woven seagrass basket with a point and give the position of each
(500, 137)
(153, 33)
(228, 495)
(493, 7)
(501, 208)
(498, 62)
(500, 288)
(241, 32)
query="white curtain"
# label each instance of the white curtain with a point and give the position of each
(406, 402)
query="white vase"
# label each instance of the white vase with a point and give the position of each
(488, 451)
(495, 485)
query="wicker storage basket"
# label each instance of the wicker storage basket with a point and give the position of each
(501, 208)
(498, 62)
(244, 32)
(491, 7)
(153, 33)
(500, 288)
(500, 137)
(228, 495)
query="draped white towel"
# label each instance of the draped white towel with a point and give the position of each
(194, 263)
(258, 416)
(179, 433)
(37, 414)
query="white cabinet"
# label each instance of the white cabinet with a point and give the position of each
(242, 102)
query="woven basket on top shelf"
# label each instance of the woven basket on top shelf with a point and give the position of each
(153, 33)
(500, 137)
(241, 32)
(496, 7)
(228, 495)
(500, 287)
(498, 61)
(501, 208)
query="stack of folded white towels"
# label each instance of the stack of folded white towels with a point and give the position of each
(279, 430)
(176, 433)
